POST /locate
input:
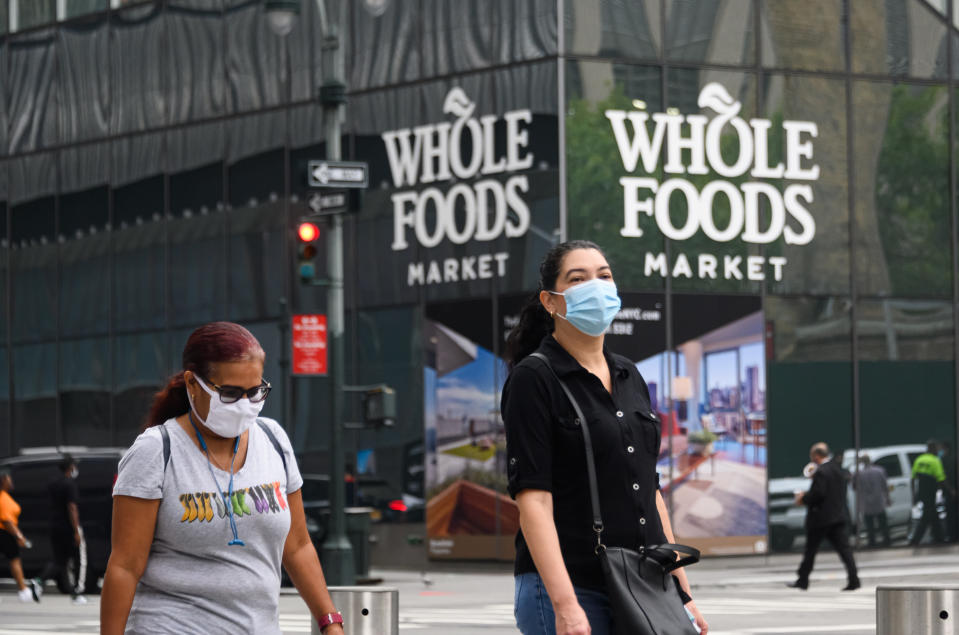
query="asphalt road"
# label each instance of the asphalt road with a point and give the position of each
(741, 596)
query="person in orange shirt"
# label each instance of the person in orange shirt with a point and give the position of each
(11, 539)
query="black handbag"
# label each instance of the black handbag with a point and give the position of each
(643, 599)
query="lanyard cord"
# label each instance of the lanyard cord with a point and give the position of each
(227, 499)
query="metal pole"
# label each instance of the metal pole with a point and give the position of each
(336, 553)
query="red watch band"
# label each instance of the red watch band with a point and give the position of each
(330, 618)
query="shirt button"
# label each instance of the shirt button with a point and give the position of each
(619, 413)
(642, 521)
(630, 449)
(636, 486)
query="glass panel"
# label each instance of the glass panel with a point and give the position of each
(802, 35)
(7, 440)
(806, 148)
(76, 8)
(370, 63)
(84, 68)
(35, 395)
(31, 13)
(256, 64)
(907, 395)
(196, 48)
(140, 100)
(595, 166)
(808, 344)
(85, 241)
(712, 31)
(139, 260)
(33, 91)
(897, 38)
(85, 391)
(33, 256)
(613, 29)
(903, 222)
(140, 370)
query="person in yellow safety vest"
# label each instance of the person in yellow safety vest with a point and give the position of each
(928, 477)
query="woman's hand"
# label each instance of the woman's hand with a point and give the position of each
(700, 620)
(571, 620)
(333, 629)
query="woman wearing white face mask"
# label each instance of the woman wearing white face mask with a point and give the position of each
(559, 583)
(207, 505)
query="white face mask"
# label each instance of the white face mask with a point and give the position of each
(227, 420)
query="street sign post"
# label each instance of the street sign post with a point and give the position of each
(309, 345)
(323, 173)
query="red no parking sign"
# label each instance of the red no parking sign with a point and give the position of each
(309, 344)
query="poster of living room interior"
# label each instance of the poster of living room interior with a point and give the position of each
(712, 460)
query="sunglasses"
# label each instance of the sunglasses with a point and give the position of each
(232, 394)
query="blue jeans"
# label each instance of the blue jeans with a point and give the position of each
(534, 612)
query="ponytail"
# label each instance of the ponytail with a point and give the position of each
(170, 402)
(534, 324)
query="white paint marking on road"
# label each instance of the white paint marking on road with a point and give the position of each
(764, 630)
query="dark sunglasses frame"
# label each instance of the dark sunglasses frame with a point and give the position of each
(237, 392)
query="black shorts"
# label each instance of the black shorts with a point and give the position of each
(8, 545)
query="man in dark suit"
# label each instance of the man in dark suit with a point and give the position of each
(826, 516)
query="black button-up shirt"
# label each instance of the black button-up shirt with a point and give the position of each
(546, 452)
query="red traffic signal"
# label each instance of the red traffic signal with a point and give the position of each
(308, 232)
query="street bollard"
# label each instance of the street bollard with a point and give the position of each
(917, 610)
(366, 610)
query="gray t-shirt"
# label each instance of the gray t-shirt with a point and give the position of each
(194, 582)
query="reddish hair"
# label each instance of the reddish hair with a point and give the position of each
(210, 344)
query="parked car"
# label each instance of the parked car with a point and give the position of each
(33, 470)
(786, 519)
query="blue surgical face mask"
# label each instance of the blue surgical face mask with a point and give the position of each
(591, 306)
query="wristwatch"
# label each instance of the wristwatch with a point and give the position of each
(330, 618)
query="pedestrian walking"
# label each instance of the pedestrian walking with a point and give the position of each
(872, 498)
(12, 540)
(827, 517)
(208, 505)
(559, 583)
(928, 477)
(951, 503)
(69, 565)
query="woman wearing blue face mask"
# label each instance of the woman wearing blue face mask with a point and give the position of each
(559, 585)
(207, 505)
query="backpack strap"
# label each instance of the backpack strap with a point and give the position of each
(166, 445)
(272, 437)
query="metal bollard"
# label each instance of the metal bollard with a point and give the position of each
(366, 610)
(917, 610)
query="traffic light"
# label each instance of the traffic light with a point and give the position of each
(306, 233)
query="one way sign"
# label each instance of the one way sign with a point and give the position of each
(338, 174)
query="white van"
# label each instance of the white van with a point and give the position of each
(786, 519)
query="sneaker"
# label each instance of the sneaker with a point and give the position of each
(852, 585)
(798, 584)
(79, 599)
(25, 595)
(36, 590)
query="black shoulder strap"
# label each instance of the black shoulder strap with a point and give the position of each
(590, 462)
(166, 445)
(272, 437)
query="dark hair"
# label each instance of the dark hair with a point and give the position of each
(210, 344)
(66, 462)
(534, 322)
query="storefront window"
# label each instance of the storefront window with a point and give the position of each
(35, 395)
(898, 38)
(140, 369)
(903, 227)
(714, 31)
(907, 402)
(607, 28)
(802, 35)
(84, 391)
(31, 13)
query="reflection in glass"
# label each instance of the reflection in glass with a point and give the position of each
(35, 394)
(84, 69)
(613, 29)
(31, 13)
(84, 391)
(139, 370)
(712, 31)
(138, 82)
(802, 35)
(897, 38)
(903, 222)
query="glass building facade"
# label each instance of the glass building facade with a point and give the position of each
(774, 184)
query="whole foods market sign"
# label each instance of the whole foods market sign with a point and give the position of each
(692, 147)
(478, 207)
